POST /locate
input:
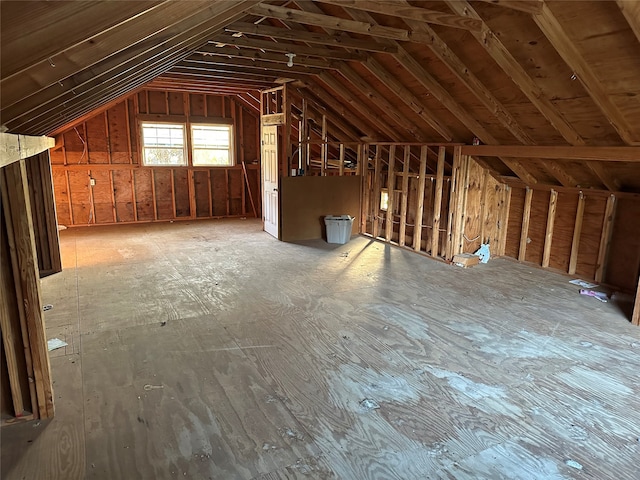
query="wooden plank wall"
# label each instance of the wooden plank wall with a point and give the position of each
(24, 370)
(43, 212)
(604, 247)
(105, 148)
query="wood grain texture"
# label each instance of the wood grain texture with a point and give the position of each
(264, 363)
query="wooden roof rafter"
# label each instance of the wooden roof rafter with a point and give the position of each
(257, 55)
(554, 32)
(631, 11)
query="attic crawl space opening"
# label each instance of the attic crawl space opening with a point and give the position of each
(440, 126)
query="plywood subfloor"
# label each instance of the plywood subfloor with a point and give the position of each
(210, 350)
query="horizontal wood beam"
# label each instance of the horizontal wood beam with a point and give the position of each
(283, 47)
(527, 6)
(213, 55)
(604, 154)
(16, 147)
(336, 23)
(335, 40)
(407, 11)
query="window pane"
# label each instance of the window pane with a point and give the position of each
(212, 145)
(163, 144)
(211, 157)
(163, 156)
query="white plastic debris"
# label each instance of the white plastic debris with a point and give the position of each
(56, 343)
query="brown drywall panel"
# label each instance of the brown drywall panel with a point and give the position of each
(118, 136)
(196, 104)
(514, 226)
(181, 185)
(537, 226)
(567, 205)
(144, 194)
(97, 139)
(235, 192)
(594, 208)
(176, 103)
(624, 251)
(157, 102)
(219, 192)
(164, 200)
(102, 197)
(61, 196)
(201, 185)
(306, 201)
(123, 193)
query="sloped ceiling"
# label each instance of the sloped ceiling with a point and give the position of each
(509, 72)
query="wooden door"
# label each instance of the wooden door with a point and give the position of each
(270, 205)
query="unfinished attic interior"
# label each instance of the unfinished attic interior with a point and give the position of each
(166, 168)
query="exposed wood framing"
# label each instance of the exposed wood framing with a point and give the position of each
(15, 147)
(437, 205)
(422, 173)
(405, 195)
(577, 231)
(526, 219)
(605, 238)
(391, 191)
(548, 238)
(635, 318)
(527, 6)
(567, 50)
(376, 191)
(410, 12)
(605, 154)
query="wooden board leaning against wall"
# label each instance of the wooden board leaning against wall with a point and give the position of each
(99, 177)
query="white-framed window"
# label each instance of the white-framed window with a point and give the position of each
(211, 145)
(163, 144)
(384, 199)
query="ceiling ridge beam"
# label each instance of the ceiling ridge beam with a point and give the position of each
(527, 6)
(550, 26)
(271, 46)
(410, 12)
(335, 23)
(249, 54)
(336, 40)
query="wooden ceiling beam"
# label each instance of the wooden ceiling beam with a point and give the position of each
(365, 111)
(381, 102)
(631, 11)
(227, 64)
(335, 23)
(528, 6)
(250, 54)
(496, 49)
(335, 40)
(548, 23)
(559, 173)
(408, 11)
(57, 68)
(313, 91)
(591, 153)
(315, 111)
(271, 46)
(408, 98)
(69, 23)
(473, 84)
